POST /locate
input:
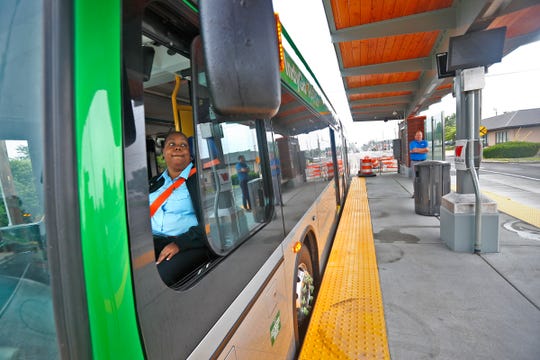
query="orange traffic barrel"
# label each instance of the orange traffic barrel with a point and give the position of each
(329, 170)
(366, 167)
(388, 164)
(313, 172)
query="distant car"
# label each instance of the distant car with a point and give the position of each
(450, 143)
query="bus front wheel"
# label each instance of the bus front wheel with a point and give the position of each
(304, 292)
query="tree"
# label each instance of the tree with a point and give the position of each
(3, 215)
(26, 190)
(24, 196)
(450, 128)
(23, 152)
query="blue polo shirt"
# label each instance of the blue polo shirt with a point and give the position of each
(422, 144)
(176, 215)
(242, 176)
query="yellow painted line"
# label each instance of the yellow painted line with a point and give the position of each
(513, 208)
(348, 318)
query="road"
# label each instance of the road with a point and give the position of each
(529, 170)
(514, 180)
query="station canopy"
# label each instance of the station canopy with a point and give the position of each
(386, 49)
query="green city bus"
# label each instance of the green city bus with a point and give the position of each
(88, 92)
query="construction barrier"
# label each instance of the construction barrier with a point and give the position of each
(329, 170)
(313, 172)
(389, 164)
(366, 167)
(340, 166)
(369, 166)
(323, 171)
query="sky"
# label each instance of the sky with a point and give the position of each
(509, 85)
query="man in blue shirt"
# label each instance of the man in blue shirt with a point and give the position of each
(242, 169)
(418, 150)
(178, 236)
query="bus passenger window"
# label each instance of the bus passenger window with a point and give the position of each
(234, 201)
(177, 229)
(221, 140)
(177, 224)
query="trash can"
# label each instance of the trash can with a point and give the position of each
(256, 195)
(431, 183)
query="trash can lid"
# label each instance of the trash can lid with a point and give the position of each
(433, 163)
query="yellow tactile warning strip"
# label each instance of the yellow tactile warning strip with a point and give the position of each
(348, 318)
(513, 208)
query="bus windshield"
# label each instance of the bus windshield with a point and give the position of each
(26, 312)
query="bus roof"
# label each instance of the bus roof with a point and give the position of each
(304, 104)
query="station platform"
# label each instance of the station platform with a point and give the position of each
(441, 304)
(448, 305)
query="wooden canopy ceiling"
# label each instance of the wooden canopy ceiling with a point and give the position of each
(386, 49)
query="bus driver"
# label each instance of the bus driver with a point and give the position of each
(179, 244)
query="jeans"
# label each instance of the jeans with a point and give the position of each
(245, 194)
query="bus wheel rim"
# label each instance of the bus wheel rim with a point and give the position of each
(304, 292)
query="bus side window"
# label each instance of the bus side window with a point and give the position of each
(221, 141)
(176, 219)
(231, 212)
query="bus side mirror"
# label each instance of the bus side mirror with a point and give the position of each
(241, 54)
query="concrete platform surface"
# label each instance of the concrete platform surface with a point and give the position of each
(441, 304)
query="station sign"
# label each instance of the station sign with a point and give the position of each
(460, 150)
(224, 180)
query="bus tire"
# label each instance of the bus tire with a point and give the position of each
(304, 292)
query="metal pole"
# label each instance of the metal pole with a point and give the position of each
(474, 110)
(463, 183)
(443, 123)
(432, 138)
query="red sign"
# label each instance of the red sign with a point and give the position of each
(458, 150)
